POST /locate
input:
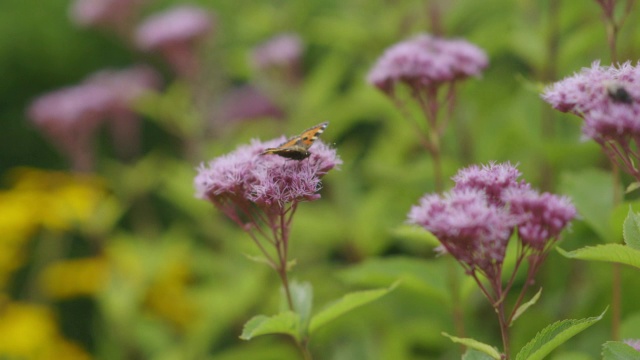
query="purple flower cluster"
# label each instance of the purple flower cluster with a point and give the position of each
(106, 13)
(70, 116)
(175, 33)
(475, 220)
(283, 50)
(608, 99)
(426, 61)
(243, 177)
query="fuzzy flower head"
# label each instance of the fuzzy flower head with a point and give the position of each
(470, 228)
(475, 220)
(175, 33)
(542, 216)
(606, 97)
(104, 13)
(426, 61)
(493, 179)
(244, 177)
(283, 50)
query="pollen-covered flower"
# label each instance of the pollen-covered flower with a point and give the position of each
(176, 33)
(608, 99)
(427, 61)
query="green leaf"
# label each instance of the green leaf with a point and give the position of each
(415, 233)
(616, 253)
(631, 230)
(633, 187)
(616, 350)
(522, 308)
(472, 354)
(591, 191)
(286, 322)
(475, 344)
(302, 297)
(553, 336)
(345, 304)
(414, 274)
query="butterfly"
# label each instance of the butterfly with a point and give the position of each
(297, 147)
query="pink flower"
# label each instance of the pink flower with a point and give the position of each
(608, 99)
(71, 116)
(427, 61)
(283, 50)
(475, 220)
(107, 13)
(247, 102)
(175, 33)
(244, 176)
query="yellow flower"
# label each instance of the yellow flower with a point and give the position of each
(78, 277)
(29, 332)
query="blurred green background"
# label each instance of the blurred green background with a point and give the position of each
(127, 264)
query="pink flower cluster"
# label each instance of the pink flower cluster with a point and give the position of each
(607, 98)
(70, 116)
(475, 220)
(426, 61)
(244, 177)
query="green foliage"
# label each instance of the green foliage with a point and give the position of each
(615, 350)
(631, 232)
(476, 345)
(616, 253)
(553, 336)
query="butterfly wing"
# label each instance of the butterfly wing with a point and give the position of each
(296, 147)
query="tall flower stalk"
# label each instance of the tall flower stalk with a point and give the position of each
(475, 221)
(430, 68)
(261, 194)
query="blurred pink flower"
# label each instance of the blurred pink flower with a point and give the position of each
(70, 116)
(427, 61)
(175, 33)
(246, 103)
(107, 13)
(282, 50)
(634, 343)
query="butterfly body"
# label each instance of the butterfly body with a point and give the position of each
(297, 147)
(618, 93)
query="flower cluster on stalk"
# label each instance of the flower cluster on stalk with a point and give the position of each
(261, 192)
(475, 220)
(607, 98)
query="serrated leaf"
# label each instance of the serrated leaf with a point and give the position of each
(286, 322)
(616, 253)
(344, 305)
(631, 230)
(553, 336)
(475, 344)
(616, 350)
(522, 308)
(473, 354)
